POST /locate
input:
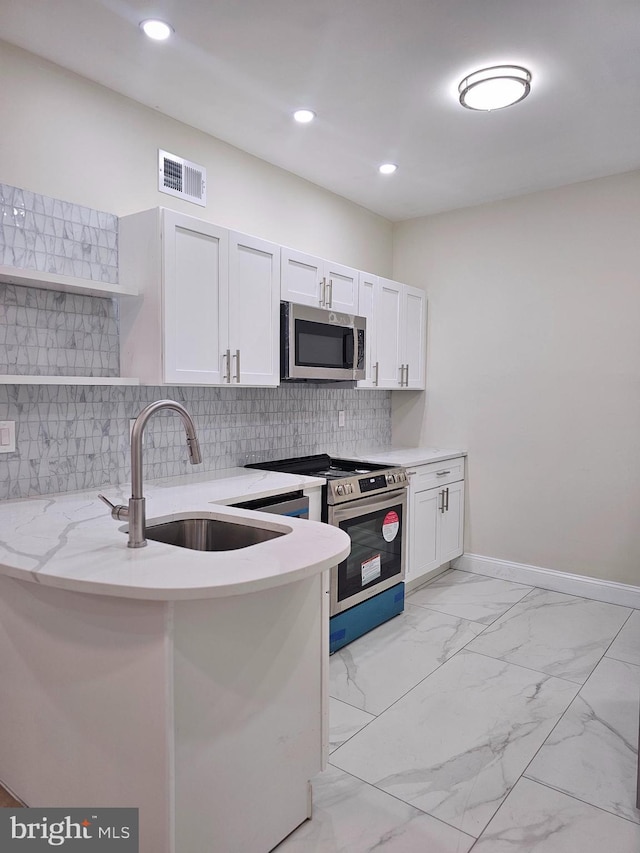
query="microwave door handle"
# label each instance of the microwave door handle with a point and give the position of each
(349, 349)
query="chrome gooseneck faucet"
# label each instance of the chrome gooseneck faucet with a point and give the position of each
(135, 512)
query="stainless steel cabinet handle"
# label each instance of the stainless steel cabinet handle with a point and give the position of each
(376, 367)
(227, 373)
(406, 375)
(323, 293)
(447, 506)
(237, 358)
(441, 507)
(401, 375)
(442, 473)
(330, 305)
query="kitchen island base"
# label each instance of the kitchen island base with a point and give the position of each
(206, 714)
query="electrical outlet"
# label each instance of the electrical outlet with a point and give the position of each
(7, 436)
(341, 419)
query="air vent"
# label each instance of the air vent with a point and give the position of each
(182, 178)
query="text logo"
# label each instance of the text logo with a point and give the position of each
(31, 830)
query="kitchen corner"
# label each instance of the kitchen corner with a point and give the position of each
(128, 660)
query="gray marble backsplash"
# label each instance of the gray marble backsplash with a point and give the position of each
(45, 332)
(51, 235)
(77, 437)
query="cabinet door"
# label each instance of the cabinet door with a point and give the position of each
(195, 277)
(367, 288)
(414, 337)
(452, 523)
(301, 278)
(423, 532)
(341, 288)
(388, 311)
(254, 310)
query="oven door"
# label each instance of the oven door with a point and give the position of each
(377, 527)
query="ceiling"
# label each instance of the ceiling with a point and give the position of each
(382, 77)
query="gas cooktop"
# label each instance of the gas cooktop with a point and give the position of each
(347, 479)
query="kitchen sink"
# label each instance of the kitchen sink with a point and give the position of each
(209, 534)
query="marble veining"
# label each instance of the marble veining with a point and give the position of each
(47, 234)
(562, 635)
(456, 744)
(345, 722)
(77, 437)
(406, 649)
(71, 542)
(592, 752)
(626, 645)
(45, 332)
(350, 816)
(537, 819)
(470, 596)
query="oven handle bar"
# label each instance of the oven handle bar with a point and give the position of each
(361, 506)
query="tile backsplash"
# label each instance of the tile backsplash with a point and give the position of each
(77, 437)
(48, 332)
(50, 235)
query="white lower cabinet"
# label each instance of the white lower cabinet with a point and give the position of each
(436, 517)
(209, 312)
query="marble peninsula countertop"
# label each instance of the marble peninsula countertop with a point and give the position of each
(70, 541)
(407, 456)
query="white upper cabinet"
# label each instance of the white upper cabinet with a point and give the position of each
(209, 309)
(414, 338)
(307, 280)
(194, 311)
(396, 334)
(254, 310)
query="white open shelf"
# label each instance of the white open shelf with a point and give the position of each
(65, 283)
(15, 379)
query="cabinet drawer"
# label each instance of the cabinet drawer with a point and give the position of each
(435, 474)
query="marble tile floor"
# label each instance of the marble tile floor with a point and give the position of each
(490, 716)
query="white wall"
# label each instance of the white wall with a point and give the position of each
(534, 367)
(63, 136)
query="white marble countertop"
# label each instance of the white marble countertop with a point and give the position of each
(408, 456)
(71, 542)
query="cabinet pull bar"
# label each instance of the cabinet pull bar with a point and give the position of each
(227, 374)
(401, 375)
(330, 305)
(376, 367)
(442, 473)
(447, 507)
(323, 293)
(237, 358)
(442, 503)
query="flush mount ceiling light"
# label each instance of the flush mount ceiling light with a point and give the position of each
(304, 116)
(156, 30)
(494, 88)
(387, 168)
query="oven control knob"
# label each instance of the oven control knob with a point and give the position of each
(389, 478)
(340, 490)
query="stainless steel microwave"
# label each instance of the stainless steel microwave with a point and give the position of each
(316, 344)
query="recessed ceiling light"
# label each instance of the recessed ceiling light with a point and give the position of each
(494, 88)
(304, 116)
(387, 168)
(156, 30)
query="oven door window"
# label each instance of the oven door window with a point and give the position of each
(376, 550)
(323, 345)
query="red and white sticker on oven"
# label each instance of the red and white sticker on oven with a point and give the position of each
(390, 525)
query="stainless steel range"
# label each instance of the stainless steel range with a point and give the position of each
(368, 501)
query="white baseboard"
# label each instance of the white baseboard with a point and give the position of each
(586, 587)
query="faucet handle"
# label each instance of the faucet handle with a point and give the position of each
(117, 511)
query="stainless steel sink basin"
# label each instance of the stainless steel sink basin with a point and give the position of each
(209, 534)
